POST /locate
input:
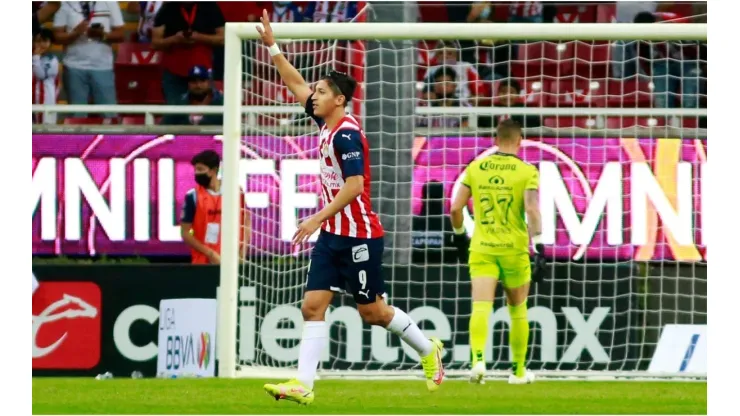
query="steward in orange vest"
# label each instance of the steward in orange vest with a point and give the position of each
(200, 222)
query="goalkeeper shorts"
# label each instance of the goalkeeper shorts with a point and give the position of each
(513, 270)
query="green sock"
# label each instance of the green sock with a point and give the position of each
(519, 337)
(479, 329)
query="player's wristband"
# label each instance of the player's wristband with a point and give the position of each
(459, 231)
(537, 239)
(274, 50)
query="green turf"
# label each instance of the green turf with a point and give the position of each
(219, 396)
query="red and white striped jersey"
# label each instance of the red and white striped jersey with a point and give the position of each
(525, 8)
(345, 152)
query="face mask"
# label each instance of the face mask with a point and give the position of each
(202, 179)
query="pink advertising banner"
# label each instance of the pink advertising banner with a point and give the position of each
(601, 198)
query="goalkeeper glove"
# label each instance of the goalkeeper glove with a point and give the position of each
(539, 263)
(462, 244)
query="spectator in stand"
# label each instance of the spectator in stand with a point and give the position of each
(673, 65)
(45, 75)
(469, 85)
(186, 33)
(525, 12)
(87, 30)
(235, 11)
(42, 14)
(509, 95)
(331, 11)
(200, 92)
(147, 11)
(287, 12)
(442, 92)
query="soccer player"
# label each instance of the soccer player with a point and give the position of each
(349, 249)
(503, 188)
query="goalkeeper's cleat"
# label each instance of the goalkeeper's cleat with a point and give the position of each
(292, 390)
(478, 372)
(432, 365)
(528, 378)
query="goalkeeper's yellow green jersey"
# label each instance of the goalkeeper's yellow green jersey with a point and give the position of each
(498, 183)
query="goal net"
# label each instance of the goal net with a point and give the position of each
(617, 129)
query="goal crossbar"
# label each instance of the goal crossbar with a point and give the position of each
(478, 31)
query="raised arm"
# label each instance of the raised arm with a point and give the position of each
(290, 76)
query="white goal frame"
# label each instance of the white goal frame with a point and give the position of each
(235, 33)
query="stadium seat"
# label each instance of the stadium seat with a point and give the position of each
(138, 74)
(633, 92)
(576, 91)
(88, 120)
(591, 60)
(627, 122)
(584, 122)
(542, 58)
(575, 13)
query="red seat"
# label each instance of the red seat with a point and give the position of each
(138, 72)
(575, 13)
(591, 60)
(577, 92)
(542, 58)
(532, 90)
(584, 122)
(89, 120)
(632, 92)
(137, 120)
(219, 85)
(626, 122)
(692, 123)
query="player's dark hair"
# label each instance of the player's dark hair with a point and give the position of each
(208, 158)
(341, 84)
(445, 71)
(508, 129)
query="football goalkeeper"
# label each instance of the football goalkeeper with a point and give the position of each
(503, 188)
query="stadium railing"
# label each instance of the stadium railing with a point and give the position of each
(671, 129)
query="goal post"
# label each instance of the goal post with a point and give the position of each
(271, 278)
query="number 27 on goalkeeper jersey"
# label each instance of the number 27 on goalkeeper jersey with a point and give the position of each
(497, 184)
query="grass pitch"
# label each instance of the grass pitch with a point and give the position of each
(218, 396)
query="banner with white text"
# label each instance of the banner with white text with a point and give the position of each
(601, 198)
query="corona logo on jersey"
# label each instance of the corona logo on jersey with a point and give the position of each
(649, 191)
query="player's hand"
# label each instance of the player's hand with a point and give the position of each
(462, 244)
(265, 30)
(305, 230)
(539, 264)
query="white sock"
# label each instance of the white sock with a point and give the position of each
(313, 343)
(404, 327)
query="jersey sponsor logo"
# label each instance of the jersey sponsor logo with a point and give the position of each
(496, 180)
(489, 165)
(330, 178)
(360, 253)
(347, 136)
(66, 325)
(351, 156)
